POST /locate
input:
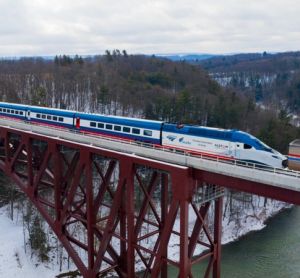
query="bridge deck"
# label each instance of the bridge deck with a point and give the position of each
(282, 178)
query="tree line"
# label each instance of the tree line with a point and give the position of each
(272, 79)
(140, 86)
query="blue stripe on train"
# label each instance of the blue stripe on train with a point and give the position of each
(147, 124)
(55, 112)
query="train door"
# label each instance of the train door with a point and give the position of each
(77, 123)
(28, 115)
(238, 150)
(232, 149)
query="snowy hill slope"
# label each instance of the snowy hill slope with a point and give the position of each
(14, 262)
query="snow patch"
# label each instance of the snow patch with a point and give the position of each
(14, 262)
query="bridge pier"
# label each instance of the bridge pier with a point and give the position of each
(217, 237)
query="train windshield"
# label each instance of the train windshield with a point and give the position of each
(263, 146)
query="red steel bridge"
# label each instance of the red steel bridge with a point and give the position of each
(129, 200)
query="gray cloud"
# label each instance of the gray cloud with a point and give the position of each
(41, 27)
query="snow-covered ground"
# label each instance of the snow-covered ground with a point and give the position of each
(14, 262)
(252, 218)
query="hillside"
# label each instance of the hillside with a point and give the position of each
(271, 79)
(140, 86)
(260, 62)
(191, 58)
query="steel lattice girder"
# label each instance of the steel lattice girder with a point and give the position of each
(282, 194)
(74, 186)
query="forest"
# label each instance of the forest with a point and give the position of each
(271, 79)
(143, 86)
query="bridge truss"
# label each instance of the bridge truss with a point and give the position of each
(117, 213)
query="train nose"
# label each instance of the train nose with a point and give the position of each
(285, 163)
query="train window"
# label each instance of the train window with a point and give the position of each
(246, 146)
(108, 126)
(8, 110)
(54, 118)
(43, 116)
(117, 128)
(49, 117)
(38, 115)
(136, 131)
(4, 110)
(100, 125)
(0, 109)
(61, 119)
(92, 124)
(126, 129)
(21, 112)
(12, 111)
(147, 132)
(17, 112)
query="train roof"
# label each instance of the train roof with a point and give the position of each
(26, 106)
(182, 126)
(118, 117)
(121, 120)
(13, 105)
(202, 131)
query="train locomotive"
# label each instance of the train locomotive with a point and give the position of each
(199, 140)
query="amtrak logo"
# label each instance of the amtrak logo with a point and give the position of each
(181, 140)
(171, 137)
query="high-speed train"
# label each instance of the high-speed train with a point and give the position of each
(215, 142)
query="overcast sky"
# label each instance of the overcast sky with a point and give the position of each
(49, 27)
